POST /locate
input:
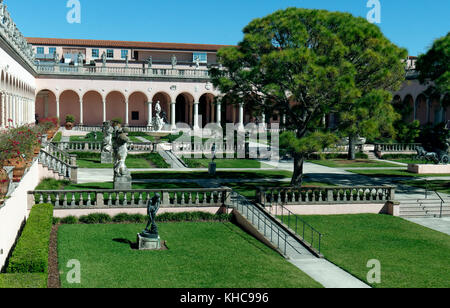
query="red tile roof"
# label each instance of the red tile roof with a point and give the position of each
(123, 44)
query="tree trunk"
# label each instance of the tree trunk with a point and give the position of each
(297, 177)
(351, 147)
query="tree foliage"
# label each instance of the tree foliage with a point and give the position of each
(305, 64)
(434, 66)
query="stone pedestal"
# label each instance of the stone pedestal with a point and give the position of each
(107, 158)
(212, 168)
(429, 169)
(122, 182)
(146, 243)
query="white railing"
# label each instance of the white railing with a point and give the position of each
(93, 199)
(123, 71)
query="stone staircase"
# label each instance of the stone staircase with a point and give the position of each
(270, 230)
(423, 208)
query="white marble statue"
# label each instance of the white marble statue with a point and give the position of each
(158, 121)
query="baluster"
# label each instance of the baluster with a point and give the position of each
(57, 200)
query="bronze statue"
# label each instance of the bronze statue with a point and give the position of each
(151, 230)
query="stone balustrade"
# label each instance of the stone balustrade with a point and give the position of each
(397, 147)
(96, 146)
(189, 147)
(324, 195)
(59, 164)
(95, 199)
(122, 71)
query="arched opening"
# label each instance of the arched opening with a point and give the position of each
(436, 111)
(406, 108)
(69, 103)
(421, 107)
(446, 105)
(92, 108)
(206, 109)
(184, 108)
(115, 106)
(164, 101)
(137, 109)
(45, 105)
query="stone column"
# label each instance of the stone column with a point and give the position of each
(126, 112)
(14, 111)
(173, 116)
(81, 111)
(150, 113)
(241, 117)
(104, 109)
(57, 108)
(196, 126)
(219, 114)
(2, 109)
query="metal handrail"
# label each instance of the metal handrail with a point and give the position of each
(303, 223)
(240, 202)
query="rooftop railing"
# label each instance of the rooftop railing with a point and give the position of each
(143, 72)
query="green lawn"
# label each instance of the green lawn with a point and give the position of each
(224, 163)
(88, 137)
(440, 186)
(357, 163)
(200, 255)
(393, 173)
(410, 255)
(260, 174)
(134, 161)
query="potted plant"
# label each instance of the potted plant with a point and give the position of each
(70, 121)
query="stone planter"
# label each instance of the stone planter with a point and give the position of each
(19, 165)
(69, 125)
(4, 184)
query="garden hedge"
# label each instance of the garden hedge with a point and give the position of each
(31, 252)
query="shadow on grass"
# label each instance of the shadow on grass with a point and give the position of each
(132, 245)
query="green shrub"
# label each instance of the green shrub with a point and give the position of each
(69, 220)
(56, 220)
(31, 252)
(398, 156)
(96, 218)
(23, 281)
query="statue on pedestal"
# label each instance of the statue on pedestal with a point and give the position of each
(174, 61)
(151, 230)
(104, 59)
(149, 62)
(122, 176)
(107, 147)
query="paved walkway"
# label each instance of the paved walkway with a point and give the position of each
(437, 224)
(321, 270)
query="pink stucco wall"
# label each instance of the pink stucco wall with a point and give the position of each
(137, 102)
(115, 106)
(92, 108)
(69, 103)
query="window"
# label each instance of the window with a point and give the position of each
(135, 115)
(52, 50)
(124, 54)
(202, 56)
(110, 53)
(40, 50)
(95, 53)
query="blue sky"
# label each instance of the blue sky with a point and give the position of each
(413, 24)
